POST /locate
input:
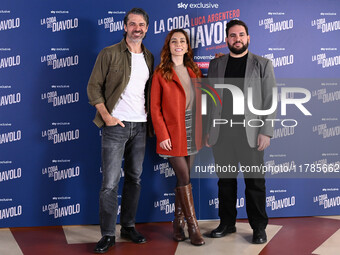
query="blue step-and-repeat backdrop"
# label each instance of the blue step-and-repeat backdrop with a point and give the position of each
(50, 150)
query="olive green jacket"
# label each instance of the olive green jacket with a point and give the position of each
(110, 76)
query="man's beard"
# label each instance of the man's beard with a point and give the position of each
(138, 39)
(238, 51)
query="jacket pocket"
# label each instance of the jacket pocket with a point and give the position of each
(115, 69)
(115, 75)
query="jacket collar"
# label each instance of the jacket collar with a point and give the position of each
(124, 47)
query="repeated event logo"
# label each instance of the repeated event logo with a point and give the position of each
(323, 95)
(325, 130)
(9, 23)
(276, 22)
(111, 23)
(327, 201)
(324, 25)
(56, 172)
(7, 175)
(56, 136)
(283, 132)
(281, 60)
(324, 59)
(59, 208)
(10, 174)
(58, 22)
(11, 61)
(10, 212)
(214, 202)
(164, 205)
(10, 136)
(56, 61)
(275, 203)
(327, 94)
(164, 169)
(9, 99)
(57, 96)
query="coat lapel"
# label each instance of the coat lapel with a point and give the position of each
(176, 79)
(220, 73)
(222, 66)
(249, 71)
(191, 73)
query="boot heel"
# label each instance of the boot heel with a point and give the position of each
(178, 224)
(187, 202)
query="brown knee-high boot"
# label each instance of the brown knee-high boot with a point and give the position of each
(187, 202)
(178, 223)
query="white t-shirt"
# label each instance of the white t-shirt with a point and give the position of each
(131, 105)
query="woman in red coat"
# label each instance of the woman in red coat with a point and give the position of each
(176, 117)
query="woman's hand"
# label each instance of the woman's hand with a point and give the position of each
(166, 145)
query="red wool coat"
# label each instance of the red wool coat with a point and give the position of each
(167, 105)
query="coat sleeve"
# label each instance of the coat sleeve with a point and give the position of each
(268, 83)
(158, 122)
(96, 82)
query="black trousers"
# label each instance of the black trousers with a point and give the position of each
(233, 152)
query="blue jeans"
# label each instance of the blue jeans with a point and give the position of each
(116, 143)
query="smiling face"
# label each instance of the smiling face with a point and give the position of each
(135, 28)
(178, 44)
(238, 41)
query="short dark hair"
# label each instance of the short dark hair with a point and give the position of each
(235, 22)
(138, 11)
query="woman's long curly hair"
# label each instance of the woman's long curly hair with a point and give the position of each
(165, 67)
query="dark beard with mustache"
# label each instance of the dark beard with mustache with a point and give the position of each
(238, 51)
(139, 39)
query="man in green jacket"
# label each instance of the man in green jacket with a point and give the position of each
(119, 88)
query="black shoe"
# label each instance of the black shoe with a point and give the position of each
(104, 244)
(259, 236)
(222, 230)
(132, 234)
